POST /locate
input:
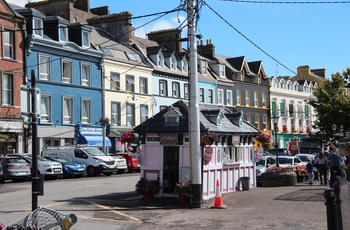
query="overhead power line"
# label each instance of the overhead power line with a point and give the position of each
(292, 2)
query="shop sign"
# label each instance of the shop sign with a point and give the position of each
(169, 138)
(91, 131)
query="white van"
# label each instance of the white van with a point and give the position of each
(95, 160)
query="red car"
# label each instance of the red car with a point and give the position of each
(132, 161)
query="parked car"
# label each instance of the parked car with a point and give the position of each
(121, 162)
(281, 152)
(49, 169)
(132, 161)
(70, 167)
(262, 166)
(300, 168)
(304, 156)
(1, 171)
(14, 168)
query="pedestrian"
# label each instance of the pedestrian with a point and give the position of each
(321, 162)
(334, 163)
(310, 171)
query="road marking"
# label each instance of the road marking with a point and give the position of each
(134, 219)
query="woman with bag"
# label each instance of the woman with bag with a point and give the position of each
(321, 162)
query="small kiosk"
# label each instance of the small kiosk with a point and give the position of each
(166, 152)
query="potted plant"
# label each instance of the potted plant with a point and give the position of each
(209, 138)
(285, 129)
(183, 191)
(147, 188)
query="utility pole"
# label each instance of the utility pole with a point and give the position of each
(195, 151)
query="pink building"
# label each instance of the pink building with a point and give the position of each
(166, 150)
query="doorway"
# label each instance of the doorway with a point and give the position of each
(170, 168)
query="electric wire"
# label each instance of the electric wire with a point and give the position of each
(287, 2)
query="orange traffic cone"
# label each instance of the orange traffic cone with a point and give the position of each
(218, 199)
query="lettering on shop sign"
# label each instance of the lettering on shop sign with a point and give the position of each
(169, 138)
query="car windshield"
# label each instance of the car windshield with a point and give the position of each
(94, 152)
(303, 158)
(285, 161)
(261, 163)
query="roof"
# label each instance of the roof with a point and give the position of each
(230, 124)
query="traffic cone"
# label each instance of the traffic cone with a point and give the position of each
(218, 199)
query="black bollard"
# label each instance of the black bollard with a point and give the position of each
(329, 196)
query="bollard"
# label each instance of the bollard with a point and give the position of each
(329, 196)
(337, 208)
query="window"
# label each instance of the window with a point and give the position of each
(210, 96)
(143, 85)
(201, 95)
(176, 89)
(248, 118)
(8, 44)
(274, 107)
(264, 122)
(63, 33)
(220, 97)
(291, 109)
(115, 108)
(256, 121)
(222, 70)
(160, 60)
(86, 39)
(263, 100)
(130, 115)
(107, 51)
(38, 27)
(163, 88)
(85, 74)
(203, 66)
(238, 96)
(115, 81)
(45, 109)
(186, 91)
(229, 97)
(283, 108)
(247, 98)
(7, 87)
(307, 114)
(255, 95)
(67, 110)
(131, 57)
(67, 71)
(130, 83)
(144, 113)
(86, 111)
(44, 67)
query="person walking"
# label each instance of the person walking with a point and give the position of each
(310, 171)
(334, 163)
(321, 162)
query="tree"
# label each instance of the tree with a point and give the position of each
(332, 105)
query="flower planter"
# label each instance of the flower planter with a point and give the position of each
(184, 201)
(148, 195)
(277, 179)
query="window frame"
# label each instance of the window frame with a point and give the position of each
(38, 27)
(44, 67)
(86, 112)
(220, 96)
(163, 88)
(247, 98)
(238, 96)
(130, 115)
(143, 85)
(186, 91)
(85, 77)
(47, 99)
(8, 93)
(62, 33)
(201, 95)
(210, 96)
(116, 113)
(65, 78)
(143, 109)
(9, 50)
(86, 39)
(67, 119)
(129, 83)
(229, 98)
(114, 81)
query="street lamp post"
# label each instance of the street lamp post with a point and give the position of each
(275, 122)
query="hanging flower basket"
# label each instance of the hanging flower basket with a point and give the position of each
(129, 137)
(209, 138)
(308, 129)
(104, 120)
(264, 138)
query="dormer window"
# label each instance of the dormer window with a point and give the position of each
(86, 39)
(222, 70)
(172, 117)
(219, 120)
(160, 60)
(131, 56)
(203, 66)
(63, 33)
(38, 27)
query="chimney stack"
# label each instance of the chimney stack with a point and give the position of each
(170, 37)
(207, 50)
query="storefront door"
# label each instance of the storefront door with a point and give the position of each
(170, 168)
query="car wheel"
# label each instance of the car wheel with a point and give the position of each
(91, 171)
(2, 180)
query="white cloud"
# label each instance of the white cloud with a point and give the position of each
(21, 2)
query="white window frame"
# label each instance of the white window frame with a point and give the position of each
(38, 27)
(67, 110)
(44, 67)
(86, 39)
(7, 90)
(130, 115)
(186, 91)
(130, 83)
(229, 98)
(85, 74)
(210, 96)
(8, 44)
(263, 100)
(86, 111)
(176, 89)
(238, 96)
(255, 99)
(67, 71)
(163, 91)
(143, 113)
(246, 93)
(45, 108)
(201, 95)
(220, 97)
(62, 33)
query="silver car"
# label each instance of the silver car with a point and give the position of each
(262, 166)
(121, 163)
(14, 168)
(50, 169)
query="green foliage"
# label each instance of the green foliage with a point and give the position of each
(331, 105)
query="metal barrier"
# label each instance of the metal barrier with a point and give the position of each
(337, 204)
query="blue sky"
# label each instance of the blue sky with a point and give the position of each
(316, 35)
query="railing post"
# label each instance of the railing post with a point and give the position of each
(329, 196)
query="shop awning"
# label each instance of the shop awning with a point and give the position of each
(94, 140)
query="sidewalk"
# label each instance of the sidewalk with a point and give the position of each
(293, 207)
